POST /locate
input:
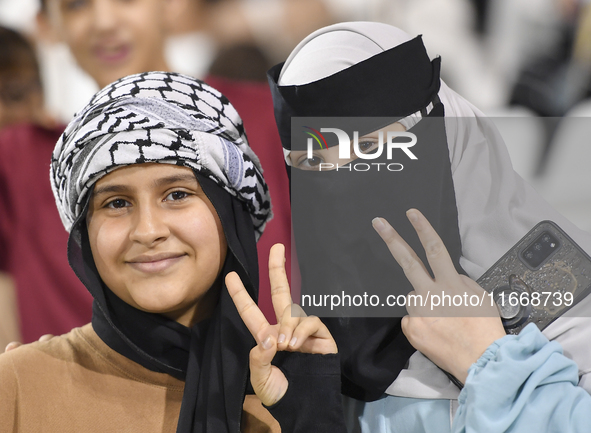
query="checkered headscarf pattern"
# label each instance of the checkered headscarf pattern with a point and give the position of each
(157, 117)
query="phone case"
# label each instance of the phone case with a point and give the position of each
(539, 279)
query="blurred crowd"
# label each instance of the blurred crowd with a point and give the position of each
(525, 62)
(532, 53)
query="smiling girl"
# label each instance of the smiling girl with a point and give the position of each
(164, 199)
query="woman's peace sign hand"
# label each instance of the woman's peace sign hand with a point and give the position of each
(294, 330)
(452, 336)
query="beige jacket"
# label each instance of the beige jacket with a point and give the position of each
(76, 383)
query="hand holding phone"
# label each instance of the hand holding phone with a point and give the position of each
(539, 279)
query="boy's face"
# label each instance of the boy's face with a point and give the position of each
(21, 99)
(157, 240)
(112, 38)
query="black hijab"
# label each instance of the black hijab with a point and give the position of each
(212, 356)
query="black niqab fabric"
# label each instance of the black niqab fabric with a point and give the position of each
(332, 210)
(394, 83)
(212, 356)
(339, 251)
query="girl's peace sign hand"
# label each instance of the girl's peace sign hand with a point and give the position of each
(294, 330)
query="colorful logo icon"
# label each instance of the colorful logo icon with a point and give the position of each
(317, 136)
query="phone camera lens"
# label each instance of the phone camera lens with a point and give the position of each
(541, 248)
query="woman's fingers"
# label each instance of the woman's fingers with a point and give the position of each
(440, 328)
(414, 269)
(280, 293)
(251, 315)
(435, 250)
(411, 264)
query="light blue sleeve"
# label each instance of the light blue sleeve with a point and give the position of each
(523, 383)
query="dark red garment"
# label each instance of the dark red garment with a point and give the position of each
(33, 240)
(253, 102)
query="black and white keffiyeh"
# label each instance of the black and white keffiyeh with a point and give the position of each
(157, 117)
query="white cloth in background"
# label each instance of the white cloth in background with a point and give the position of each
(19, 15)
(521, 30)
(68, 88)
(447, 27)
(190, 53)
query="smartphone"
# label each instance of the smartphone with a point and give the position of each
(544, 275)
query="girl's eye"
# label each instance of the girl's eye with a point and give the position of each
(309, 163)
(118, 203)
(176, 195)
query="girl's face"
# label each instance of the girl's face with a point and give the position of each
(157, 240)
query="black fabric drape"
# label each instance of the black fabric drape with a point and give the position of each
(394, 83)
(212, 356)
(339, 252)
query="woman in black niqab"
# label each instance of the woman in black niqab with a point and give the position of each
(338, 251)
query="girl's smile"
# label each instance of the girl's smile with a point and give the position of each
(157, 240)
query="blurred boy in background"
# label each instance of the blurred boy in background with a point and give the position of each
(109, 39)
(21, 96)
(21, 102)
